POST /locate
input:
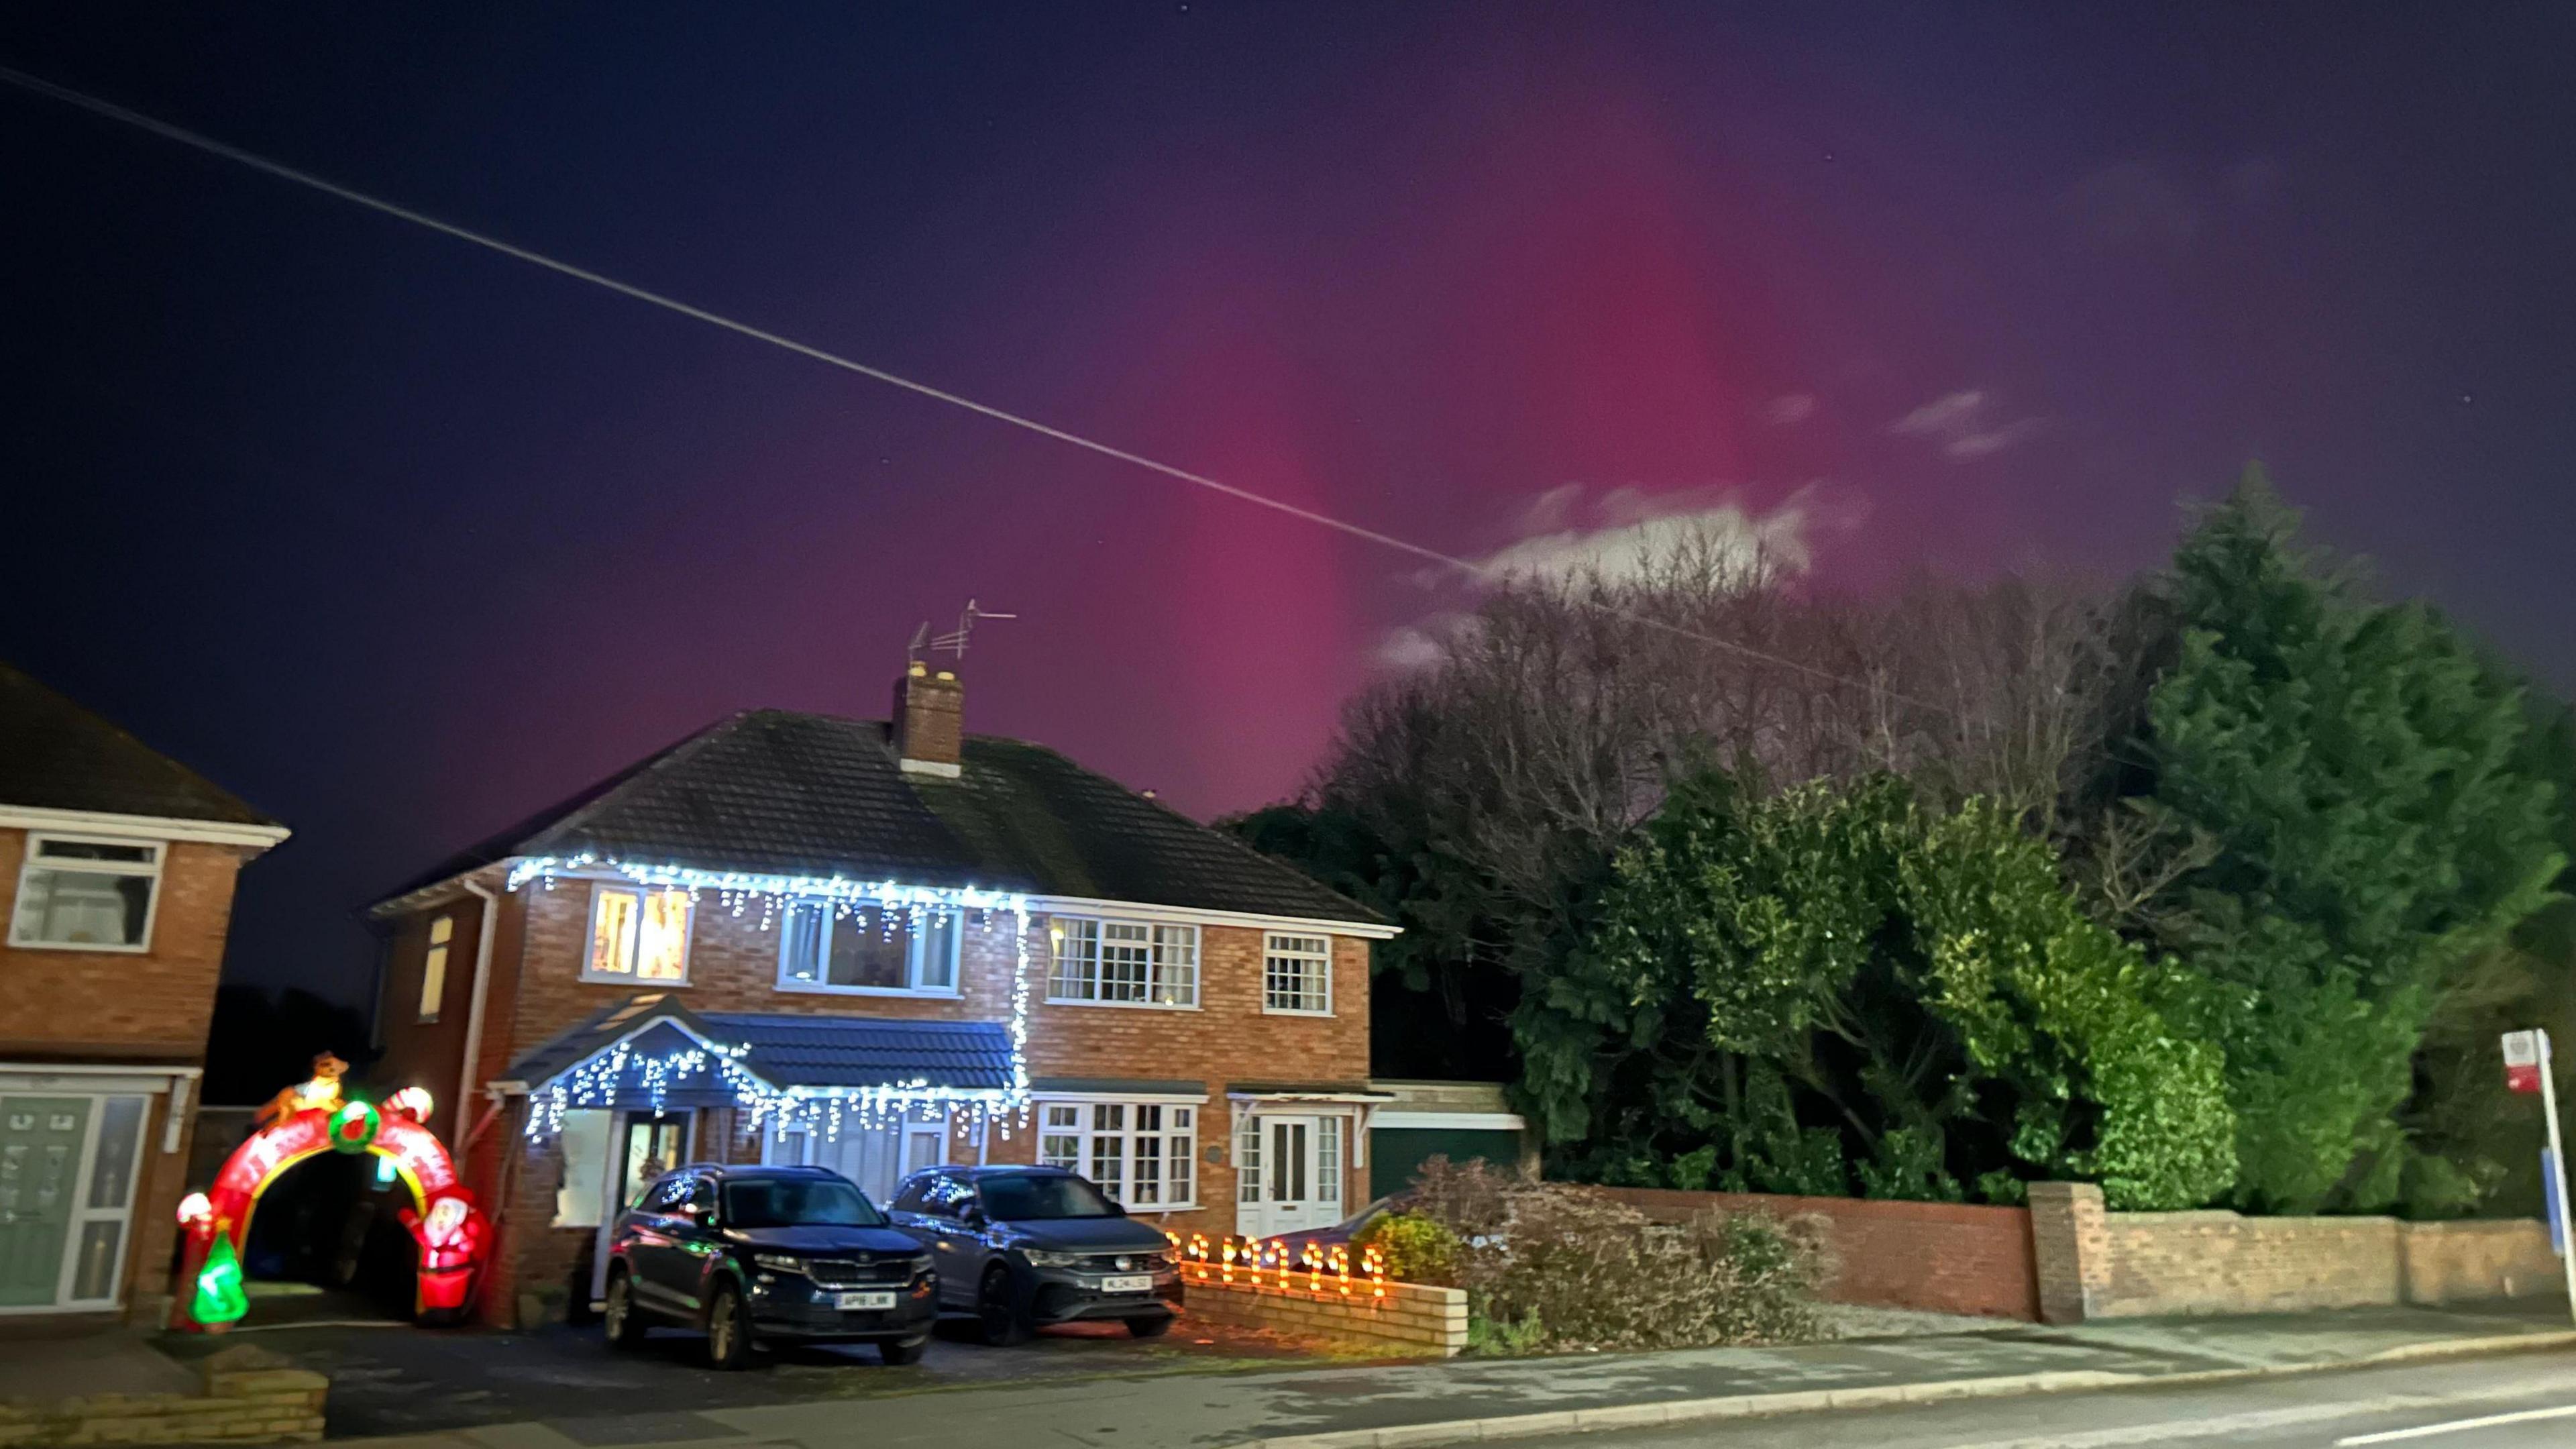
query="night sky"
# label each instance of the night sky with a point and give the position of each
(402, 540)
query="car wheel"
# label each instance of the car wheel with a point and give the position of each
(1000, 1321)
(728, 1329)
(625, 1325)
(903, 1351)
(1150, 1327)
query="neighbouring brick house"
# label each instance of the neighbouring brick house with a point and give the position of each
(877, 946)
(116, 881)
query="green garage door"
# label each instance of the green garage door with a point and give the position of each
(1396, 1153)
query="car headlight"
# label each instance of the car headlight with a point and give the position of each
(776, 1263)
(1042, 1258)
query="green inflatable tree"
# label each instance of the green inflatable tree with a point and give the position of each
(219, 1297)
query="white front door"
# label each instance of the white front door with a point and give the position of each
(1289, 1176)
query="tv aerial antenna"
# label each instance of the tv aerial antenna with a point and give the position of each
(955, 640)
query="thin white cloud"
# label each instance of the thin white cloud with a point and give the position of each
(1791, 408)
(1411, 646)
(1631, 530)
(1993, 440)
(1958, 420)
(1943, 415)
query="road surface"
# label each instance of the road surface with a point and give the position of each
(2525, 1401)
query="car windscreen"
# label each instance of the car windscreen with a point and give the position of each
(795, 1202)
(1037, 1199)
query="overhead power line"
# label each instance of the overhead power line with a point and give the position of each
(1480, 572)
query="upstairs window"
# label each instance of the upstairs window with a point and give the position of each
(868, 949)
(1297, 974)
(87, 895)
(1123, 963)
(638, 935)
(433, 967)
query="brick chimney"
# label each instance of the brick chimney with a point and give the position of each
(929, 720)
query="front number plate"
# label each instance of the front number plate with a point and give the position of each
(1128, 1283)
(849, 1301)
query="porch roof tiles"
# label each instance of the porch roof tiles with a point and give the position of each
(786, 1050)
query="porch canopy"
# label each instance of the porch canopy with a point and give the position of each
(653, 1052)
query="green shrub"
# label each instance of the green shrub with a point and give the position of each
(1553, 1266)
(1417, 1249)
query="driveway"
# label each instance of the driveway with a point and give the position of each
(392, 1378)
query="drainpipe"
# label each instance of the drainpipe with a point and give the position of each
(482, 986)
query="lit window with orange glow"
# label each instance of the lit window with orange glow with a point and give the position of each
(638, 935)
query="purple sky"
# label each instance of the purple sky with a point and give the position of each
(402, 540)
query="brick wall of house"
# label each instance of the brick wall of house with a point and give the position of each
(1941, 1257)
(542, 938)
(123, 1006)
(429, 1051)
(151, 1007)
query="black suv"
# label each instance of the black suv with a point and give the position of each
(1024, 1246)
(748, 1253)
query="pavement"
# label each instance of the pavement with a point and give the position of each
(1100, 1394)
(2519, 1401)
(108, 1361)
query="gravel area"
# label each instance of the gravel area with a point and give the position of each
(1852, 1320)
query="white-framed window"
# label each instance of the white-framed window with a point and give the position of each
(1144, 1155)
(869, 950)
(433, 967)
(1123, 963)
(1328, 1159)
(1297, 974)
(79, 893)
(1247, 1161)
(638, 935)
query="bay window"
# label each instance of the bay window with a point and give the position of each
(869, 949)
(1141, 1154)
(1123, 963)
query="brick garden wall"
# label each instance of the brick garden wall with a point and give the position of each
(1410, 1319)
(250, 1396)
(2098, 1264)
(1940, 1257)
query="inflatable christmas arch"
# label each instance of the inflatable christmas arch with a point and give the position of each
(449, 1230)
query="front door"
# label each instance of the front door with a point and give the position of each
(1295, 1176)
(40, 1152)
(639, 1151)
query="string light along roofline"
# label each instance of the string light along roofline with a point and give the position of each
(837, 888)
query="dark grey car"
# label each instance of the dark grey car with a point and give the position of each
(1022, 1247)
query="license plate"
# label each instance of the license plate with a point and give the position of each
(1128, 1283)
(848, 1302)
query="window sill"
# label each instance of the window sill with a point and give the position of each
(1121, 1005)
(613, 978)
(1160, 1209)
(143, 950)
(816, 988)
(1326, 1013)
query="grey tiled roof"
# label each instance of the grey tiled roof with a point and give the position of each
(784, 1050)
(778, 792)
(58, 755)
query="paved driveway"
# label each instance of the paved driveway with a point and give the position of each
(390, 1378)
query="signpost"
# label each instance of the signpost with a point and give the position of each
(2527, 1069)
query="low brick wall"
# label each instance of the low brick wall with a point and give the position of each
(1937, 1256)
(2098, 1264)
(2466, 1262)
(250, 1397)
(1411, 1318)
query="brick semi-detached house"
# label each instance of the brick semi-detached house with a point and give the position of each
(116, 881)
(878, 946)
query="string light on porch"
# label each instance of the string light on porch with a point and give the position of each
(596, 1082)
